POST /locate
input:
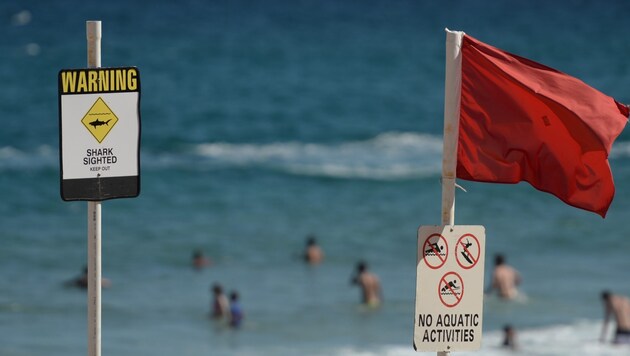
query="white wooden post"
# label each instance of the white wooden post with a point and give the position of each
(93, 30)
(452, 91)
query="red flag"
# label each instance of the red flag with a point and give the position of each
(523, 121)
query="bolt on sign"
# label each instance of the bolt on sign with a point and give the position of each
(99, 120)
(449, 288)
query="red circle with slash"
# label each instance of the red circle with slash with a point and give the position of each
(465, 253)
(435, 251)
(451, 289)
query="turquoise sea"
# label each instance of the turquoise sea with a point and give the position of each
(264, 122)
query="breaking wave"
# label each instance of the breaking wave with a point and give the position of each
(578, 339)
(620, 149)
(388, 156)
(42, 157)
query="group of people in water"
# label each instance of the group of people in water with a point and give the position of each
(230, 311)
(505, 281)
(368, 282)
(225, 310)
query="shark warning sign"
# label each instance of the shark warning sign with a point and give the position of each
(99, 126)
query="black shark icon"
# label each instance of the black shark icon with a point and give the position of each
(98, 122)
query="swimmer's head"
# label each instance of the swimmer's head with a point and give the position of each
(499, 260)
(217, 289)
(361, 266)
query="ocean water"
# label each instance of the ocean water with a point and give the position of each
(266, 121)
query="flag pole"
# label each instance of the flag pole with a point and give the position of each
(452, 91)
(93, 31)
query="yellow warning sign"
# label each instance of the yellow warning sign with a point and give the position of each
(99, 120)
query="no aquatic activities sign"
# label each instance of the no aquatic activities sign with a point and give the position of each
(449, 288)
(99, 146)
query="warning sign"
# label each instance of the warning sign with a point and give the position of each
(449, 288)
(99, 122)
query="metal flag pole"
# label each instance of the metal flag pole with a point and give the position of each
(93, 31)
(452, 91)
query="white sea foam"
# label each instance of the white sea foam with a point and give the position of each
(391, 155)
(577, 339)
(40, 157)
(9, 153)
(21, 18)
(620, 149)
(387, 156)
